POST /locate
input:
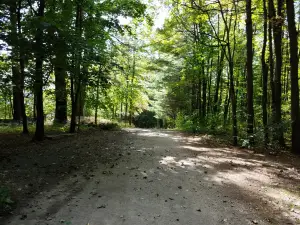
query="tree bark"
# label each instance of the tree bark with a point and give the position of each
(271, 61)
(294, 76)
(97, 97)
(265, 77)
(60, 81)
(277, 32)
(76, 74)
(219, 74)
(208, 111)
(131, 90)
(250, 110)
(16, 76)
(22, 71)
(199, 95)
(204, 88)
(230, 59)
(226, 108)
(38, 83)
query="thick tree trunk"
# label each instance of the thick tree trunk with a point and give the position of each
(38, 83)
(265, 77)
(294, 76)
(81, 98)
(250, 110)
(60, 82)
(277, 32)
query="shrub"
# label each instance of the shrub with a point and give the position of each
(185, 123)
(145, 120)
(109, 126)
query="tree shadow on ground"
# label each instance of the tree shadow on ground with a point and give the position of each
(30, 169)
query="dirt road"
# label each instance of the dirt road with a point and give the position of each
(166, 178)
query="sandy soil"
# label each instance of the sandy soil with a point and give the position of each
(137, 176)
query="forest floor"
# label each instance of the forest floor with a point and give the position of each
(137, 176)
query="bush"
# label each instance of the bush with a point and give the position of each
(185, 123)
(145, 120)
(109, 126)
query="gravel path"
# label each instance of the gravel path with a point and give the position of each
(165, 178)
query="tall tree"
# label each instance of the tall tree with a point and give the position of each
(76, 78)
(294, 60)
(38, 81)
(250, 111)
(22, 69)
(60, 66)
(16, 77)
(265, 76)
(277, 32)
(271, 16)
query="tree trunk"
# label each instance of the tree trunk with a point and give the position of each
(219, 74)
(60, 82)
(230, 59)
(233, 105)
(126, 99)
(250, 110)
(199, 96)
(97, 98)
(265, 77)
(22, 71)
(209, 88)
(76, 75)
(294, 76)
(204, 87)
(73, 105)
(121, 111)
(226, 108)
(16, 76)
(131, 90)
(271, 62)
(38, 83)
(277, 32)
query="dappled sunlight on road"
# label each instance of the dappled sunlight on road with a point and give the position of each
(262, 181)
(269, 183)
(155, 133)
